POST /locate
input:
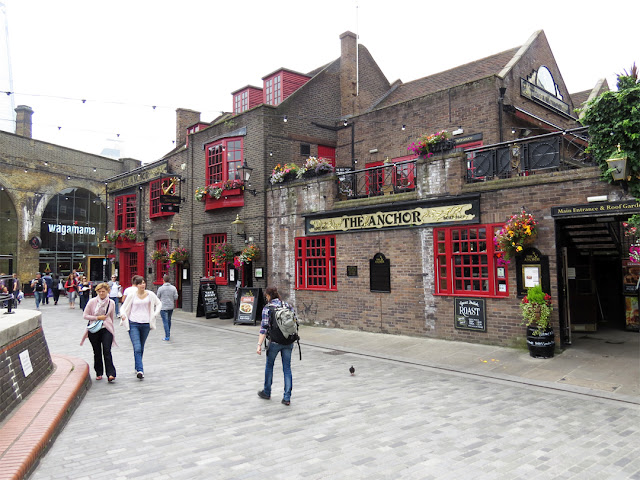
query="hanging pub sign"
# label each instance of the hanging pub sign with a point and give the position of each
(532, 268)
(470, 314)
(172, 199)
(379, 273)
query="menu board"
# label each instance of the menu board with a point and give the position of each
(249, 302)
(470, 314)
(207, 300)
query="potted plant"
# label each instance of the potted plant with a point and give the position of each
(314, 166)
(222, 253)
(160, 255)
(282, 173)
(536, 312)
(251, 252)
(427, 144)
(519, 231)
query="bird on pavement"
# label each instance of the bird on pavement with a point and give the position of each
(352, 370)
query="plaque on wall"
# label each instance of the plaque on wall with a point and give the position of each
(532, 268)
(352, 270)
(469, 314)
(379, 273)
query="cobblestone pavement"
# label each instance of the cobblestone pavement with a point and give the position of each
(196, 415)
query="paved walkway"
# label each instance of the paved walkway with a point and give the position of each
(416, 408)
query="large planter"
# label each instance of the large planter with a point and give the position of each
(124, 243)
(543, 345)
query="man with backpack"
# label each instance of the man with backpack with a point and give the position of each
(280, 326)
(39, 287)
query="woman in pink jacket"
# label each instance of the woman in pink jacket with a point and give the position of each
(101, 308)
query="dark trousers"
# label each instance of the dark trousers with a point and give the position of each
(84, 299)
(101, 343)
(56, 295)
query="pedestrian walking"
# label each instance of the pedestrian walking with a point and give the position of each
(277, 344)
(138, 315)
(101, 308)
(71, 286)
(85, 291)
(49, 281)
(13, 288)
(168, 294)
(58, 287)
(39, 287)
(115, 293)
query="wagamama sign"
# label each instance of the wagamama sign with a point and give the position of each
(71, 229)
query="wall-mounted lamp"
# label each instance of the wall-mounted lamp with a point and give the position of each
(373, 150)
(245, 173)
(345, 123)
(618, 166)
(183, 166)
(525, 132)
(458, 131)
(172, 232)
(284, 119)
(404, 127)
(237, 227)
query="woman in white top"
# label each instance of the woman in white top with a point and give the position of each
(138, 314)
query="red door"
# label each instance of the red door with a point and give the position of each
(132, 263)
(327, 152)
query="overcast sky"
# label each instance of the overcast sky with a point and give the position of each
(125, 56)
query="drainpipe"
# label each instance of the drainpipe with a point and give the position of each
(500, 107)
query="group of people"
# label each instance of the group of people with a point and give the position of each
(138, 313)
(11, 288)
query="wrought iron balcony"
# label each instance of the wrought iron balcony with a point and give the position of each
(387, 179)
(529, 156)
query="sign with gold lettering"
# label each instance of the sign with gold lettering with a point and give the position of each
(535, 93)
(593, 209)
(421, 215)
(137, 177)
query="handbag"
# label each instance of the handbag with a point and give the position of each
(97, 325)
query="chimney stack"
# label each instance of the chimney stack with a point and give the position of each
(348, 73)
(184, 119)
(23, 120)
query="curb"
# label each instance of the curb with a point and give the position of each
(27, 434)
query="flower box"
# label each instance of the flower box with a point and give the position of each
(229, 198)
(221, 281)
(124, 243)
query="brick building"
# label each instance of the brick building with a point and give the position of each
(52, 205)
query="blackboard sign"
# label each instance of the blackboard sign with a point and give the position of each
(225, 310)
(379, 274)
(469, 314)
(207, 300)
(249, 302)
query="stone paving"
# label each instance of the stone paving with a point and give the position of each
(196, 415)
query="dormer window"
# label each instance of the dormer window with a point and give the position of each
(246, 98)
(273, 90)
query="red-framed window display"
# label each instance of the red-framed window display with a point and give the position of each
(218, 271)
(157, 188)
(125, 212)
(316, 263)
(223, 160)
(162, 268)
(465, 262)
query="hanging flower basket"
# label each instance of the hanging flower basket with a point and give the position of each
(160, 255)
(222, 253)
(519, 231)
(179, 255)
(250, 253)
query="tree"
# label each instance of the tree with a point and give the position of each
(614, 119)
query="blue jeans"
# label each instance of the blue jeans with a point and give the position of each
(39, 296)
(116, 300)
(166, 320)
(138, 333)
(272, 353)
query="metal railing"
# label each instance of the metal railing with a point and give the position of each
(540, 154)
(387, 179)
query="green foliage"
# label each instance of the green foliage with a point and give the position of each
(614, 118)
(535, 294)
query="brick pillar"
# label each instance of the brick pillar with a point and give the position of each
(23, 120)
(184, 119)
(348, 73)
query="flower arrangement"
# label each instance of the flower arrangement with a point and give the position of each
(126, 234)
(179, 254)
(160, 255)
(315, 166)
(251, 252)
(536, 309)
(519, 231)
(217, 190)
(634, 253)
(281, 173)
(424, 144)
(222, 252)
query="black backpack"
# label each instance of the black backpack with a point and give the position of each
(39, 286)
(275, 335)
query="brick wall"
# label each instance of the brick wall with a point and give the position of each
(14, 386)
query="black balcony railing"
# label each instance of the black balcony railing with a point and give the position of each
(387, 179)
(529, 156)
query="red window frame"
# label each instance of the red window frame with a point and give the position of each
(125, 212)
(315, 259)
(224, 158)
(219, 271)
(465, 262)
(156, 188)
(162, 268)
